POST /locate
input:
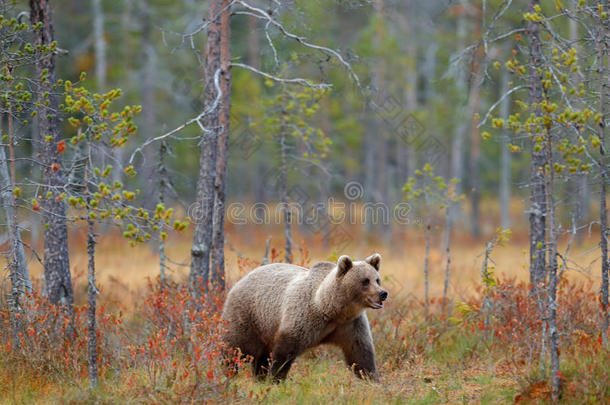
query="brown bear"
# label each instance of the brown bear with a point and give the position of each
(279, 310)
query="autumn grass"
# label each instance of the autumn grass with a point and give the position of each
(149, 356)
(446, 372)
(313, 380)
(443, 359)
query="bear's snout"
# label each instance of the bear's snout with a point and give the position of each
(383, 295)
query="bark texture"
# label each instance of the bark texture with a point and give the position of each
(210, 187)
(92, 298)
(426, 261)
(505, 158)
(284, 195)
(448, 256)
(603, 209)
(163, 185)
(220, 185)
(475, 138)
(538, 209)
(19, 274)
(553, 277)
(58, 283)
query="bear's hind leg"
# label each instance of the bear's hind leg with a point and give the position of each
(250, 346)
(229, 355)
(261, 365)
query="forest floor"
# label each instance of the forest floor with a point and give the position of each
(449, 358)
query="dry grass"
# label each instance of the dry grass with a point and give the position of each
(122, 269)
(443, 360)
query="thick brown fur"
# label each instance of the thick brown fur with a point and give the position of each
(279, 310)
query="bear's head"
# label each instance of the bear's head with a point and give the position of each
(352, 287)
(362, 280)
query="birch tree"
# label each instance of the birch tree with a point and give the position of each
(434, 194)
(538, 208)
(93, 198)
(99, 42)
(554, 127)
(289, 121)
(16, 98)
(505, 156)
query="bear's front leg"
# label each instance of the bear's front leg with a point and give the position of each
(356, 342)
(285, 350)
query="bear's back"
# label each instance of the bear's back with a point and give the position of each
(258, 298)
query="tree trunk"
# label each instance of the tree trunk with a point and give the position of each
(19, 274)
(99, 44)
(163, 183)
(254, 58)
(91, 297)
(406, 156)
(370, 151)
(553, 278)
(448, 255)
(475, 138)
(457, 144)
(35, 228)
(126, 20)
(603, 210)
(376, 152)
(426, 261)
(284, 195)
(579, 193)
(485, 280)
(429, 71)
(58, 283)
(381, 157)
(203, 233)
(148, 102)
(101, 66)
(220, 186)
(202, 236)
(505, 157)
(537, 211)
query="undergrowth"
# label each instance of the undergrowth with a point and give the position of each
(168, 349)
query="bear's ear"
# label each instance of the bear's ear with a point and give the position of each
(343, 265)
(374, 260)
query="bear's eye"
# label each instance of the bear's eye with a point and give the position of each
(366, 282)
(378, 282)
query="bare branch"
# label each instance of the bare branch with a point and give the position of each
(197, 119)
(302, 40)
(498, 102)
(297, 80)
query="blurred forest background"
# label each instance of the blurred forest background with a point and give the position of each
(412, 59)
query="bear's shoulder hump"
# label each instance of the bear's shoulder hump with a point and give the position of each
(321, 268)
